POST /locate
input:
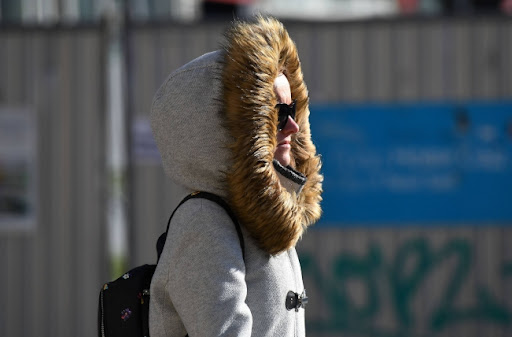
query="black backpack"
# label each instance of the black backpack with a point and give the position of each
(124, 303)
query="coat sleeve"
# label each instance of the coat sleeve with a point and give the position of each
(206, 275)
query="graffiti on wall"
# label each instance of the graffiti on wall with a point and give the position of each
(405, 275)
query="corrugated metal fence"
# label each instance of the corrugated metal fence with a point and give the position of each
(51, 275)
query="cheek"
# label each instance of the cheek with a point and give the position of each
(282, 155)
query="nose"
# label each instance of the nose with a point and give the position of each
(291, 127)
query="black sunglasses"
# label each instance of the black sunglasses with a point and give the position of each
(285, 110)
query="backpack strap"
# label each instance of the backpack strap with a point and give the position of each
(212, 197)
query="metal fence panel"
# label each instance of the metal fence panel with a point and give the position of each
(52, 273)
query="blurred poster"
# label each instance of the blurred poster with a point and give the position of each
(415, 164)
(17, 168)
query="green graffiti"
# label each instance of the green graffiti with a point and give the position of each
(408, 271)
(350, 267)
(404, 287)
(487, 308)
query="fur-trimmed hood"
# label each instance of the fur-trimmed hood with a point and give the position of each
(215, 124)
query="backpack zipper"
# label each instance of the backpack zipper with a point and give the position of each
(145, 311)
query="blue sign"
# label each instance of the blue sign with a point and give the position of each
(415, 164)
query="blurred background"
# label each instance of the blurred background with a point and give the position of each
(411, 108)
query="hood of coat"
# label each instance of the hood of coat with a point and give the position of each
(215, 123)
(186, 119)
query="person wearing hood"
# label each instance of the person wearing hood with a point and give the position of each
(235, 123)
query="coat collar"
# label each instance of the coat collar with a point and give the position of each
(293, 181)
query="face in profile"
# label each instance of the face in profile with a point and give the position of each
(287, 125)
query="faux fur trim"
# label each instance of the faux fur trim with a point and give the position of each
(255, 54)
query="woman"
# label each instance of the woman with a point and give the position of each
(235, 123)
